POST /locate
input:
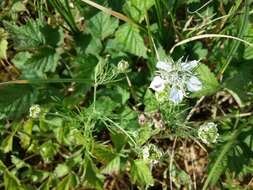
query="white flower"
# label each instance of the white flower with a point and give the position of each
(164, 66)
(34, 111)
(176, 95)
(122, 66)
(145, 152)
(188, 66)
(194, 84)
(158, 84)
(208, 133)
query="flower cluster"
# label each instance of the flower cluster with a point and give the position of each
(208, 133)
(151, 154)
(174, 80)
(34, 111)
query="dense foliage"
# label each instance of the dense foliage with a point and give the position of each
(126, 94)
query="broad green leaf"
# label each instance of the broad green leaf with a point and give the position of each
(128, 38)
(15, 100)
(102, 25)
(7, 144)
(34, 34)
(45, 185)
(119, 140)
(87, 44)
(45, 60)
(38, 64)
(141, 173)
(239, 80)
(209, 81)
(18, 162)
(113, 167)
(67, 183)
(26, 36)
(103, 153)
(11, 182)
(92, 177)
(3, 44)
(136, 9)
(61, 170)
(48, 150)
(2, 166)
(25, 138)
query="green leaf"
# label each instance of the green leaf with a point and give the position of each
(18, 162)
(69, 182)
(136, 9)
(128, 38)
(15, 100)
(141, 173)
(102, 25)
(48, 150)
(35, 34)
(92, 178)
(3, 44)
(209, 81)
(151, 104)
(11, 182)
(25, 138)
(26, 36)
(7, 144)
(45, 185)
(103, 153)
(61, 170)
(113, 167)
(239, 80)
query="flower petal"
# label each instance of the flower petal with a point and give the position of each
(176, 95)
(164, 66)
(158, 84)
(194, 84)
(188, 66)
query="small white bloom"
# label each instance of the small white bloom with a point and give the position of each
(176, 95)
(34, 111)
(208, 133)
(158, 84)
(194, 84)
(188, 66)
(164, 66)
(122, 66)
(145, 152)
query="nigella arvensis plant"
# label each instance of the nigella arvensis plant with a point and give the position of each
(175, 80)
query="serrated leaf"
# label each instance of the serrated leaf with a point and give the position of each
(136, 9)
(141, 173)
(209, 81)
(34, 34)
(113, 167)
(128, 38)
(102, 25)
(43, 61)
(15, 100)
(26, 36)
(3, 44)
(92, 178)
(103, 153)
